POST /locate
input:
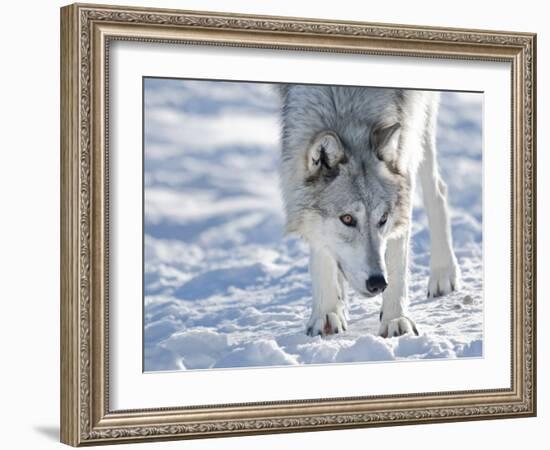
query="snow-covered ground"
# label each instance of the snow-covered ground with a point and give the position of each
(224, 288)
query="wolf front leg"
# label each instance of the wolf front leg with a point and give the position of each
(393, 316)
(444, 270)
(328, 314)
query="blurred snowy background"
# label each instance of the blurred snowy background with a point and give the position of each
(224, 288)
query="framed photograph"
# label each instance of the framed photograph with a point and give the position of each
(276, 224)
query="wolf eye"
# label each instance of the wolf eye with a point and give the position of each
(348, 220)
(383, 219)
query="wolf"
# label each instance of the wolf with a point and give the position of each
(349, 163)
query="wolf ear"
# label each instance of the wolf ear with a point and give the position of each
(383, 135)
(325, 153)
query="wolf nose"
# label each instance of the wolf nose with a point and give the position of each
(376, 284)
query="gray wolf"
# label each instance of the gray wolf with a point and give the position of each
(350, 156)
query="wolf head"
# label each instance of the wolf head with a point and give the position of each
(342, 182)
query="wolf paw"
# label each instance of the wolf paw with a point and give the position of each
(397, 327)
(327, 324)
(444, 280)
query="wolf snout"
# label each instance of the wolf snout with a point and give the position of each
(376, 284)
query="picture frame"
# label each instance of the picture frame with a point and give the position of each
(87, 33)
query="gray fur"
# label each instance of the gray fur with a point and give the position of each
(355, 151)
(354, 114)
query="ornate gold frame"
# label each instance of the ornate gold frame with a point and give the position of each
(86, 31)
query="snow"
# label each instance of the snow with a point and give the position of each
(224, 288)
